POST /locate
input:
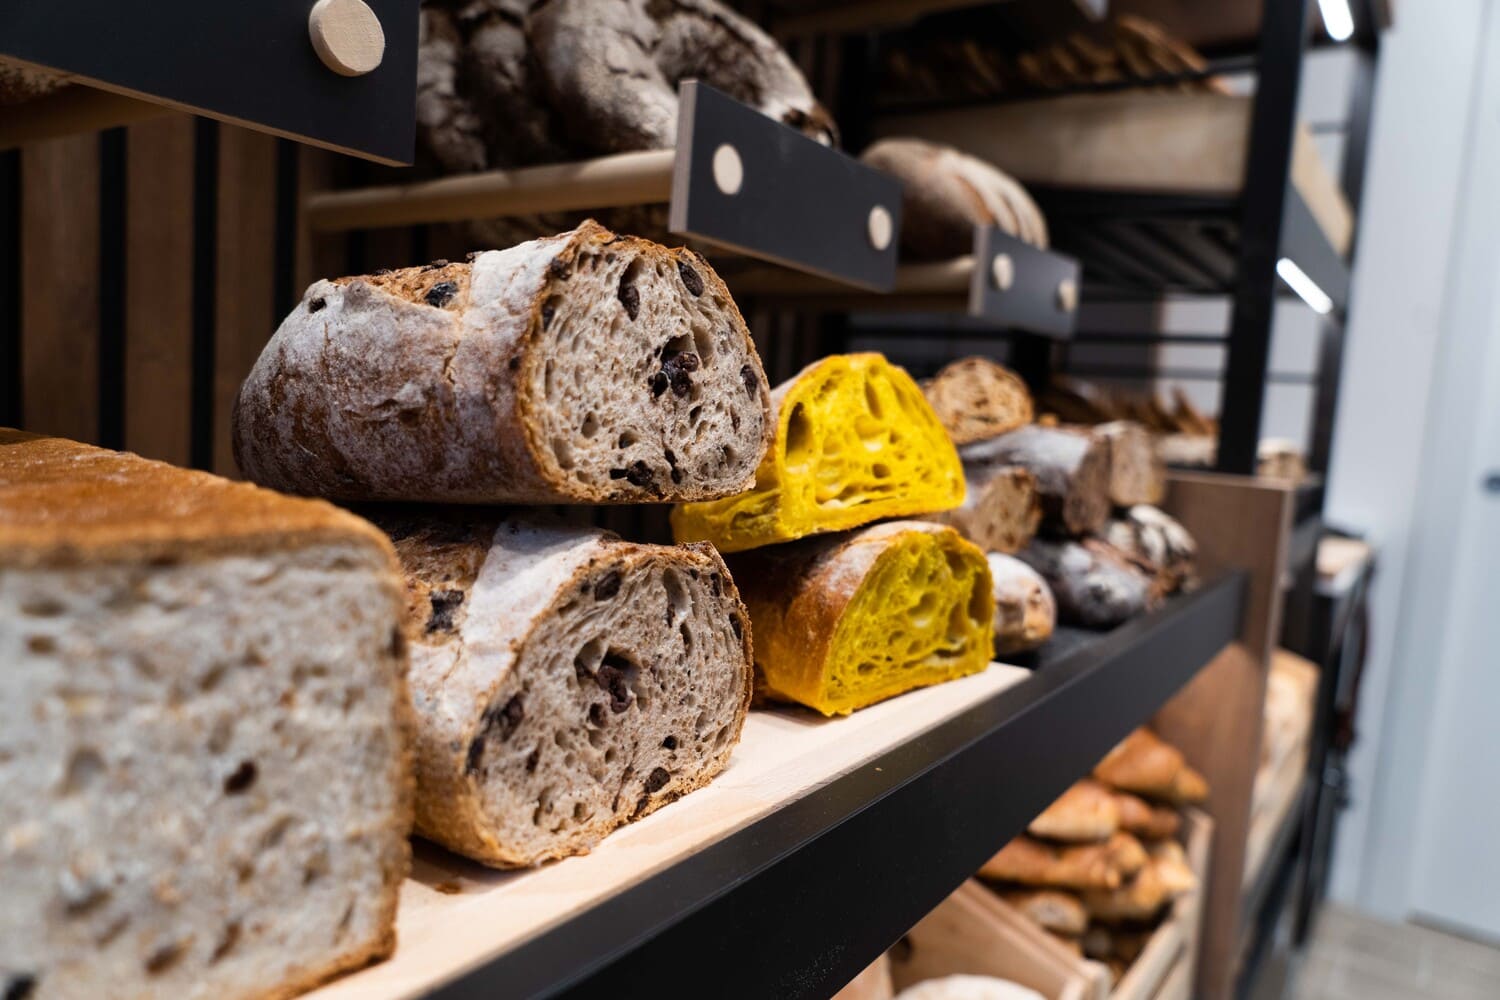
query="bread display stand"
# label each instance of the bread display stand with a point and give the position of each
(1270, 822)
(1005, 282)
(736, 179)
(780, 846)
(976, 932)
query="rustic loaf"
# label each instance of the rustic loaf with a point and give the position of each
(1137, 475)
(1071, 469)
(1157, 543)
(584, 368)
(854, 442)
(565, 682)
(843, 622)
(611, 69)
(205, 779)
(977, 398)
(1025, 612)
(1001, 510)
(946, 194)
(1094, 584)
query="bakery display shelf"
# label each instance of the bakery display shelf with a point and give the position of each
(1004, 284)
(1272, 840)
(736, 179)
(882, 813)
(279, 66)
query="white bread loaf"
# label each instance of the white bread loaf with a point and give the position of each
(205, 783)
(581, 368)
(565, 682)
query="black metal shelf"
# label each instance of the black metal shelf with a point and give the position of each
(886, 842)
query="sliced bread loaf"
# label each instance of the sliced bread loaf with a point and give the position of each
(846, 621)
(854, 442)
(1025, 611)
(581, 368)
(1001, 510)
(1071, 469)
(565, 682)
(205, 784)
(1136, 473)
(977, 398)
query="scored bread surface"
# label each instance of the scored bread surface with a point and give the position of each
(565, 682)
(854, 442)
(581, 368)
(846, 621)
(205, 781)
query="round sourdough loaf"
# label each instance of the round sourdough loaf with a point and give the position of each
(611, 69)
(582, 368)
(565, 682)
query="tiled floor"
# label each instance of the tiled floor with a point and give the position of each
(1352, 957)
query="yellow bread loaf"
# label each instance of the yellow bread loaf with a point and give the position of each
(855, 442)
(843, 622)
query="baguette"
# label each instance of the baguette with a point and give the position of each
(553, 705)
(844, 622)
(582, 368)
(854, 442)
(205, 779)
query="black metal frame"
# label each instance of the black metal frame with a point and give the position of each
(795, 904)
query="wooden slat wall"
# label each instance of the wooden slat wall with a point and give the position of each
(59, 287)
(158, 287)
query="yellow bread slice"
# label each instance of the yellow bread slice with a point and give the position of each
(843, 622)
(856, 441)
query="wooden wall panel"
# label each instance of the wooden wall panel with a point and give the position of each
(158, 287)
(60, 287)
(244, 300)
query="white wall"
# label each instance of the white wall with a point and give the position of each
(1408, 229)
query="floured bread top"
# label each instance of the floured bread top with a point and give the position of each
(66, 503)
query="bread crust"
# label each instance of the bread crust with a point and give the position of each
(63, 503)
(977, 398)
(429, 383)
(512, 573)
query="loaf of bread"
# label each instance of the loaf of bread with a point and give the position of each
(1094, 585)
(1025, 613)
(1071, 469)
(968, 988)
(977, 398)
(205, 778)
(1136, 473)
(611, 69)
(846, 621)
(565, 682)
(1144, 820)
(583, 368)
(1050, 909)
(1157, 543)
(1145, 764)
(1085, 813)
(854, 442)
(1073, 866)
(1001, 511)
(946, 194)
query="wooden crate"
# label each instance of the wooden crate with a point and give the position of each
(975, 932)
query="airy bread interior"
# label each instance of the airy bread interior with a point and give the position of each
(204, 782)
(855, 442)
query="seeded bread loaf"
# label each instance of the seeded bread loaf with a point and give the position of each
(854, 441)
(1025, 611)
(611, 69)
(977, 398)
(205, 783)
(583, 368)
(843, 622)
(565, 682)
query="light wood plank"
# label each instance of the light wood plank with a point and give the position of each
(60, 286)
(455, 915)
(244, 303)
(158, 288)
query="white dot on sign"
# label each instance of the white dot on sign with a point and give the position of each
(1067, 295)
(729, 169)
(880, 227)
(1003, 271)
(347, 36)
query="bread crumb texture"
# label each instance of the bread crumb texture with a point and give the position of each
(852, 621)
(855, 442)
